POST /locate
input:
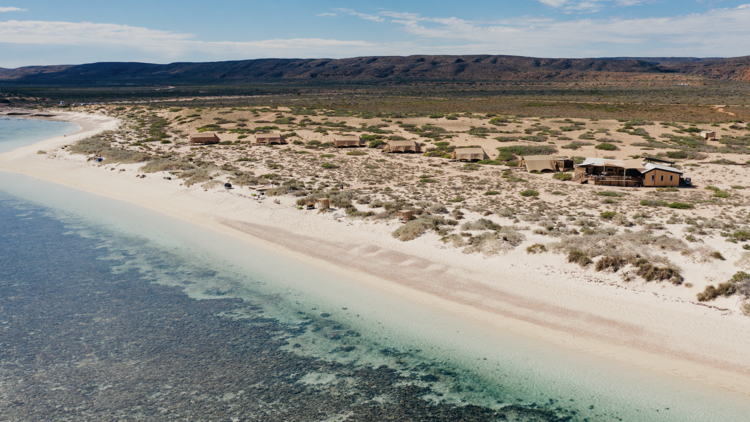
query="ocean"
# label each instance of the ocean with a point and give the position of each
(109, 311)
(16, 132)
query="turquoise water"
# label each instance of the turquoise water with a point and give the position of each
(145, 312)
(15, 132)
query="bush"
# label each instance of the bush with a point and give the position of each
(611, 263)
(329, 166)
(608, 215)
(492, 192)
(562, 176)
(721, 194)
(530, 193)
(607, 146)
(741, 235)
(717, 255)
(481, 224)
(356, 153)
(652, 203)
(579, 257)
(411, 230)
(649, 272)
(680, 206)
(376, 143)
(711, 292)
(609, 193)
(536, 248)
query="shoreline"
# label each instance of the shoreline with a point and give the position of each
(547, 301)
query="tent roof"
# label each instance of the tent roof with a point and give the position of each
(268, 135)
(402, 143)
(203, 135)
(347, 138)
(470, 150)
(538, 157)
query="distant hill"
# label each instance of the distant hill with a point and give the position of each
(377, 69)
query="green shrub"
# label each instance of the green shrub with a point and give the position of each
(356, 153)
(652, 203)
(609, 193)
(721, 194)
(713, 188)
(329, 166)
(717, 255)
(327, 155)
(579, 257)
(608, 215)
(741, 235)
(376, 143)
(606, 146)
(680, 206)
(529, 193)
(492, 192)
(562, 176)
(536, 248)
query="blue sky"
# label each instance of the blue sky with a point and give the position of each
(42, 32)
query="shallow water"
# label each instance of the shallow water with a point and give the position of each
(110, 311)
(15, 132)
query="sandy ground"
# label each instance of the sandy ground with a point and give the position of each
(654, 326)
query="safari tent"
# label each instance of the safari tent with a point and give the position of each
(323, 203)
(204, 138)
(347, 141)
(469, 154)
(403, 146)
(269, 138)
(707, 134)
(539, 163)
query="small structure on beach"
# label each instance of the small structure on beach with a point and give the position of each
(204, 138)
(469, 154)
(542, 163)
(630, 173)
(657, 175)
(344, 141)
(405, 215)
(323, 203)
(269, 138)
(403, 146)
(708, 134)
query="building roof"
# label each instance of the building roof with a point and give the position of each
(652, 166)
(268, 135)
(347, 138)
(598, 162)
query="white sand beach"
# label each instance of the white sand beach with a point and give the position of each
(658, 327)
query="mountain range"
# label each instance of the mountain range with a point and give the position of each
(388, 69)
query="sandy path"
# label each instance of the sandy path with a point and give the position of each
(538, 296)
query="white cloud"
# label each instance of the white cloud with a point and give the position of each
(11, 9)
(364, 16)
(326, 14)
(719, 32)
(168, 43)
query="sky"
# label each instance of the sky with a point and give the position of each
(45, 32)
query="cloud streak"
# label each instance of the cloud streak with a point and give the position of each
(11, 9)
